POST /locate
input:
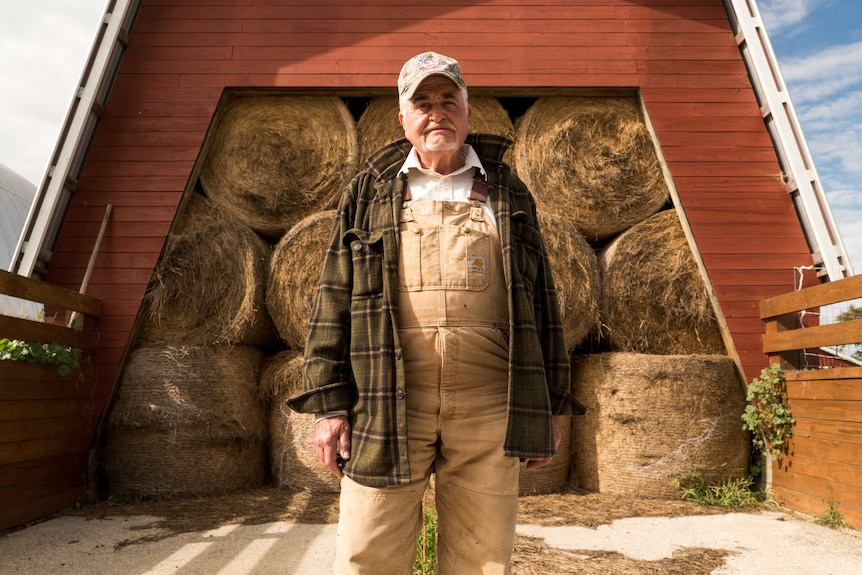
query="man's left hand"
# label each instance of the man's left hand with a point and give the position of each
(537, 463)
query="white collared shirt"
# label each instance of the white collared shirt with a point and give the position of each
(425, 184)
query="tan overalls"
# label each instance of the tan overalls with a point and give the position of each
(454, 321)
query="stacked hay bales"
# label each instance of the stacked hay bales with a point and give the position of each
(208, 286)
(591, 159)
(275, 159)
(576, 275)
(294, 275)
(188, 421)
(292, 456)
(591, 162)
(654, 299)
(652, 419)
(242, 265)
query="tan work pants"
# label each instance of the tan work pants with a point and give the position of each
(457, 388)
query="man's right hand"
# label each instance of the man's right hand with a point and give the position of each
(331, 439)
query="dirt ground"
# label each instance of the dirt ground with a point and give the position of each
(532, 555)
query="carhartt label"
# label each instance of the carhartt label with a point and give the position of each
(478, 264)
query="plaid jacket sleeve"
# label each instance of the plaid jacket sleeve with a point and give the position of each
(327, 376)
(546, 310)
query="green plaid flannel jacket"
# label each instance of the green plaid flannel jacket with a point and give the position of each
(353, 355)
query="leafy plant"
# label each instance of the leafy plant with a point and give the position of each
(426, 546)
(65, 358)
(850, 314)
(732, 493)
(766, 416)
(833, 518)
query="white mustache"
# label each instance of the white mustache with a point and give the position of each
(442, 126)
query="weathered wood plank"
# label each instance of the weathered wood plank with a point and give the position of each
(28, 330)
(835, 374)
(43, 292)
(815, 296)
(817, 336)
(23, 410)
(831, 410)
(23, 504)
(826, 389)
(19, 431)
(35, 449)
(847, 496)
(814, 505)
(27, 381)
(825, 450)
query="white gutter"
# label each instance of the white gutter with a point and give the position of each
(800, 174)
(49, 206)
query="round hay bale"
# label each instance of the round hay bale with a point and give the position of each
(576, 275)
(275, 159)
(378, 125)
(591, 159)
(655, 418)
(294, 274)
(553, 477)
(654, 299)
(160, 464)
(208, 286)
(187, 422)
(207, 392)
(489, 117)
(292, 456)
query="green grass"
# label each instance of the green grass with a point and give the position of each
(833, 518)
(731, 493)
(426, 546)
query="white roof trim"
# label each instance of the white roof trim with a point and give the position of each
(801, 176)
(49, 206)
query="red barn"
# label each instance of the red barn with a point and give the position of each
(702, 70)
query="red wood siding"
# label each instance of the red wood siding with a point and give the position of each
(680, 54)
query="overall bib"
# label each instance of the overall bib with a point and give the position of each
(453, 324)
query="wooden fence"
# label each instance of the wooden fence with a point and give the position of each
(823, 463)
(45, 418)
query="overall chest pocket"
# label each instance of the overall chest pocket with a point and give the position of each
(366, 251)
(444, 257)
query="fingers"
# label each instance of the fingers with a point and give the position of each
(558, 436)
(537, 463)
(331, 439)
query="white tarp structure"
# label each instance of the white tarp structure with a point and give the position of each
(16, 196)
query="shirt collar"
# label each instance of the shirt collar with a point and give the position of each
(471, 160)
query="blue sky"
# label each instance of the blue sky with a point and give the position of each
(44, 45)
(818, 44)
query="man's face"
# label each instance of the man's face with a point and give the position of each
(436, 118)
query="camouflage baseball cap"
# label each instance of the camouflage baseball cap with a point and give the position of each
(427, 64)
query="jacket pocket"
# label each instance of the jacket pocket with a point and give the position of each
(366, 251)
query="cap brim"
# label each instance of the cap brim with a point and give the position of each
(415, 85)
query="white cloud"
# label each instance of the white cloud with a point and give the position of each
(45, 44)
(778, 14)
(851, 236)
(841, 109)
(840, 146)
(826, 73)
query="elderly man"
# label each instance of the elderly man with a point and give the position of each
(435, 343)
